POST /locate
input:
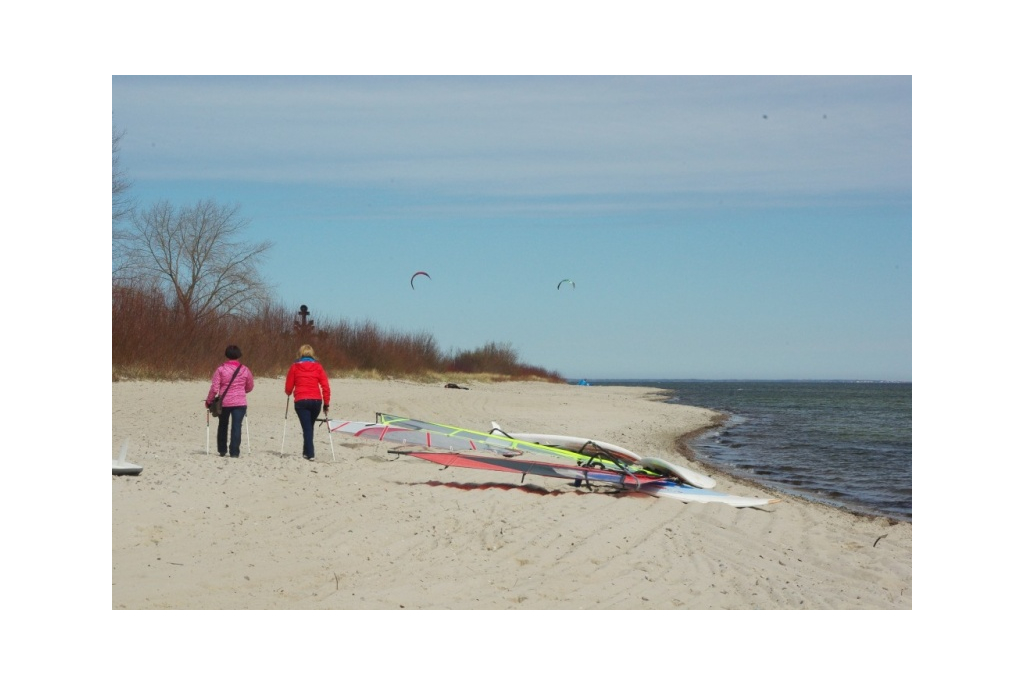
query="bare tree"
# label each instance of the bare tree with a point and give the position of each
(121, 208)
(197, 258)
(121, 201)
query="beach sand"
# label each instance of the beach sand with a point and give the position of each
(369, 530)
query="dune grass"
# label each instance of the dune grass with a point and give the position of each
(151, 342)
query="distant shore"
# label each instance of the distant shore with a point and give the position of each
(366, 529)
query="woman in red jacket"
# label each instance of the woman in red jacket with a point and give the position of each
(309, 381)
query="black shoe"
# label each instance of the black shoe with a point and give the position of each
(223, 454)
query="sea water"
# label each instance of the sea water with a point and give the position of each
(845, 444)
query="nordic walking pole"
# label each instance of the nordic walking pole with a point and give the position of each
(287, 399)
(245, 420)
(327, 422)
(207, 431)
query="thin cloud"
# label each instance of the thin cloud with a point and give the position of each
(529, 137)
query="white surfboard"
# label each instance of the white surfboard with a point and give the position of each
(590, 446)
(680, 472)
(122, 467)
(126, 468)
(702, 496)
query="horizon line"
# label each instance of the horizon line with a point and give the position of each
(741, 380)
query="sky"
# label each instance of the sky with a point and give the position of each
(714, 227)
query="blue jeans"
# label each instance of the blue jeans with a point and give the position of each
(236, 414)
(307, 411)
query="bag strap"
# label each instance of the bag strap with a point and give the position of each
(225, 392)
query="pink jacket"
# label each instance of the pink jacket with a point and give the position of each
(244, 383)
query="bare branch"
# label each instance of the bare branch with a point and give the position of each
(121, 201)
(197, 256)
(121, 207)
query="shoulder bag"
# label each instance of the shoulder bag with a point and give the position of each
(217, 406)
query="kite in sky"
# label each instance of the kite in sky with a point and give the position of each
(418, 273)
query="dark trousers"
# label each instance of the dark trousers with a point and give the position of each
(236, 414)
(307, 411)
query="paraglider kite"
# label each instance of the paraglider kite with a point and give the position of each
(418, 273)
(565, 280)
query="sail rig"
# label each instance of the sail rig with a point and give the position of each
(526, 467)
(414, 432)
(461, 447)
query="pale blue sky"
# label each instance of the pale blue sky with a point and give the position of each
(715, 227)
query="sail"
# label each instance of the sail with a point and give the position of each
(405, 431)
(506, 444)
(410, 433)
(580, 474)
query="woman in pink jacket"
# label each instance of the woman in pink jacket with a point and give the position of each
(231, 381)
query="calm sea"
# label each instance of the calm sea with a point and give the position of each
(846, 444)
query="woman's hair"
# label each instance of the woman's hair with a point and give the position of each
(233, 352)
(306, 351)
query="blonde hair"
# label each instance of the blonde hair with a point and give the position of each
(306, 351)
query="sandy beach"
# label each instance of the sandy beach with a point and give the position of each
(366, 529)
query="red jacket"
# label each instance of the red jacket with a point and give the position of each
(309, 380)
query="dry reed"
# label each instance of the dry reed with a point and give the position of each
(149, 340)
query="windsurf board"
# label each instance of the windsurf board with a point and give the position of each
(126, 468)
(686, 493)
(568, 442)
(122, 467)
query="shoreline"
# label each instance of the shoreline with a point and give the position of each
(367, 530)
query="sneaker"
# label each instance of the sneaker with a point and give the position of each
(309, 458)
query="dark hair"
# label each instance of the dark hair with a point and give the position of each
(233, 352)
